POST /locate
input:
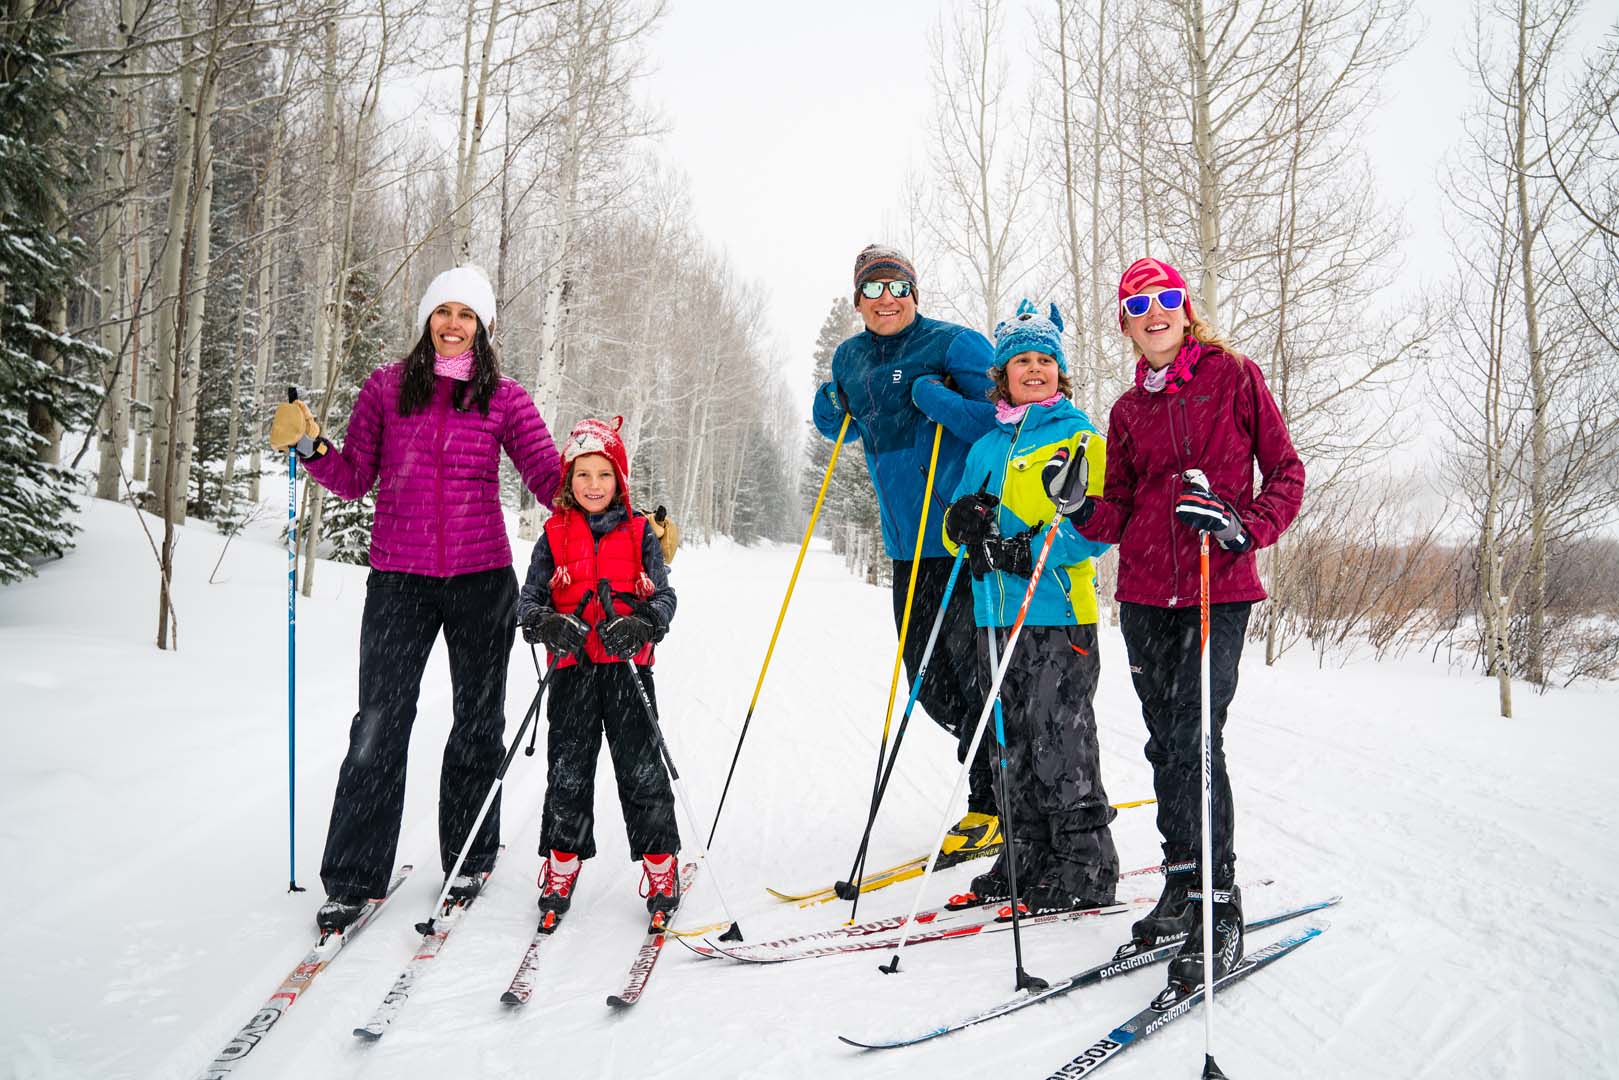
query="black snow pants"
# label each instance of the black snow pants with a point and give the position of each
(588, 700)
(1166, 668)
(402, 619)
(951, 693)
(1059, 812)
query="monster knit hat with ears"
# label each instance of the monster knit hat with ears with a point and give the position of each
(1148, 274)
(463, 285)
(593, 436)
(878, 261)
(1030, 331)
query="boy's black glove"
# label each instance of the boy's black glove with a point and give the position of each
(626, 635)
(563, 634)
(970, 520)
(1012, 555)
(660, 515)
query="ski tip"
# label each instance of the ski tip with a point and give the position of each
(509, 998)
(366, 1034)
(850, 1042)
(617, 1002)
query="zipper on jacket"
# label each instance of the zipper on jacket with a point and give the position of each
(1174, 550)
(438, 490)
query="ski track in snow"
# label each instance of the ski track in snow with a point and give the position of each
(145, 796)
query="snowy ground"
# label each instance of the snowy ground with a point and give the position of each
(143, 811)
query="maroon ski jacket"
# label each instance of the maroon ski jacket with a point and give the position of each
(1223, 421)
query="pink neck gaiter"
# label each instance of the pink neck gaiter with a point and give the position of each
(1172, 376)
(456, 367)
(1007, 413)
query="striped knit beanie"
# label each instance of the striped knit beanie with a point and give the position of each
(877, 261)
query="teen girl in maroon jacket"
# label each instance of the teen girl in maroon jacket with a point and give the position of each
(1196, 404)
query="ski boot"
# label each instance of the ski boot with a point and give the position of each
(339, 912)
(1048, 898)
(465, 887)
(1186, 969)
(974, 835)
(660, 884)
(1171, 916)
(990, 887)
(557, 878)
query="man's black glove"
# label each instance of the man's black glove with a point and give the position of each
(1066, 476)
(1201, 509)
(970, 520)
(1012, 554)
(659, 514)
(625, 635)
(562, 634)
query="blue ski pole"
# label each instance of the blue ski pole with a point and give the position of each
(292, 659)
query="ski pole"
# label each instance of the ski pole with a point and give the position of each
(1210, 1069)
(989, 703)
(850, 890)
(533, 714)
(1025, 981)
(292, 661)
(904, 632)
(735, 932)
(809, 530)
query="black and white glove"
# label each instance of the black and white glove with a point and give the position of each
(626, 635)
(1067, 476)
(1201, 509)
(1012, 554)
(970, 520)
(562, 634)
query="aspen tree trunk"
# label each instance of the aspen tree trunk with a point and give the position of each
(325, 268)
(1078, 286)
(1540, 392)
(165, 354)
(1208, 214)
(264, 304)
(112, 426)
(196, 306)
(473, 141)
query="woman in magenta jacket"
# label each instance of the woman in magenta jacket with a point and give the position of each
(1196, 404)
(427, 432)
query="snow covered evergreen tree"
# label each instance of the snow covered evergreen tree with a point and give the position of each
(40, 396)
(849, 515)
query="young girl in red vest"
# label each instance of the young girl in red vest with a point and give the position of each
(595, 538)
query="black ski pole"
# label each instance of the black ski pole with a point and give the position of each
(735, 931)
(850, 889)
(533, 714)
(1025, 981)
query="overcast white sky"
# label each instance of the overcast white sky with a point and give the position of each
(796, 124)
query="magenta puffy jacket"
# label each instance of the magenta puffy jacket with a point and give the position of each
(1225, 422)
(438, 502)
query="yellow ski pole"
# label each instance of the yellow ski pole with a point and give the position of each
(809, 530)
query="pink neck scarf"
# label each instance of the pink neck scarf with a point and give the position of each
(456, 367)
(1007, 413)
(1172, 376)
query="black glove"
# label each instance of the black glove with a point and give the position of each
(1066, 476)
(1012, 554)
(659, 514)
(626, 635)
(562, 634)
(970, 520)
(1201, 509)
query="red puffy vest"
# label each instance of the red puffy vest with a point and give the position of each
(582, 561)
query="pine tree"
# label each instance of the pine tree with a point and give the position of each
(41, 93)
(346, 526)
(849, 515)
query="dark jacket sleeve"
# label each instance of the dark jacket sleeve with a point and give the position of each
(1281, 472)
(534, 599)
(662, 600)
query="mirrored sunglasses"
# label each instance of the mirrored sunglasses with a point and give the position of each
(1139, 304)
(871, 290)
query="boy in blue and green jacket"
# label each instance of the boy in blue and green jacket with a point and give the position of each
(1059, 813)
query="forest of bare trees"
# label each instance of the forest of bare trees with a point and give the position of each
(203, 202)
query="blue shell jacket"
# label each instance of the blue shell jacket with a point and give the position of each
(1011, 457)
(893, 385)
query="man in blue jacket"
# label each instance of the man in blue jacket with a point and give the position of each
(900, 380)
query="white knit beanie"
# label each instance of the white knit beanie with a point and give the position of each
(464, 285)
